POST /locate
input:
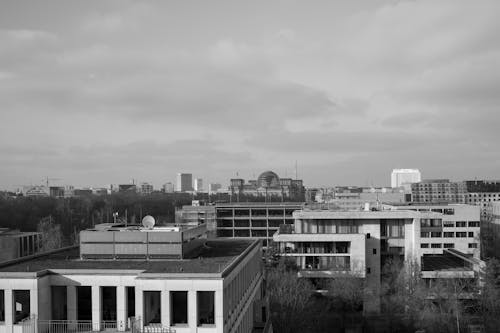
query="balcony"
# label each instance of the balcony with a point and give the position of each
(87, 326)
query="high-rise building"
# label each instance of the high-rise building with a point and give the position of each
(399, 177)
(214, 187)
(146, 188)
(198, 184)
(184, 182)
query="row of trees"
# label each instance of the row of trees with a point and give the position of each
(408, 303)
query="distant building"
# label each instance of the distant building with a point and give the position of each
(36, 191)
(168, 188)
(15, 244)
(198, 184)
(146, 188)
(354, 198)
(57, 191)
(128, 188)
(269, 184)
(399, 177)
(438, 191)
(482, 193)
(197, 214)
(140, 280)
(184, 182)
(214, 187)
(100, 191)
(82, 192)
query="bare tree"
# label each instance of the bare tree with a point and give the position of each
(51, 234)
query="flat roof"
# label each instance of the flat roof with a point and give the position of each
(257, 204)
(214, 257)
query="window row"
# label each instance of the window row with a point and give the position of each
(446, 234)
(461, 224)
(445, 245)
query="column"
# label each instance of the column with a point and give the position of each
(192, 307)
(33, 303)
(138, 304)
(96, 308)
(9, 309)
(71, 306)
(165, 308)
(121, 308)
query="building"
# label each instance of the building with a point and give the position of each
(355, 198)
(15, 244)
(100, 191)
(36, 191)
(482, 193)
(127, 188)
(399, 177)
(357, 244)
(438, 191)
(253, 219)
(57, 191)
(168, 188)
(213, 188)
(267, 185)
(82, 192)
(198, 184)
(197, 214)
(184, 182)
(146, 189)
(128, 279)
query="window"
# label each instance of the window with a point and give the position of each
(368, 270)
(368, 235)
(179, 307)
(473, 224)
(206, 307)
(2, 306)
(472, 245)
(449, 211)
(449, 224)
(436, 223)
(424, 234)
(436, 246)
(449, 234)
(424, 246)
(425, 222)
(374, 251)
(461, 224)
(436, 234)
(449, 245)
(21, 305)
(461, 234)
(152, 307)
(471, 234)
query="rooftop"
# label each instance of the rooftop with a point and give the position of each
(214, 257)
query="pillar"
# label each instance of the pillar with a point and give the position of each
(96, 308)
(139, 308)
(121, 308)
(71, 306)
(9, 309)
(34, 303)
(165, 308)
(192, 313)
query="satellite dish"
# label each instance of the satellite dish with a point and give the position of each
(148, 222)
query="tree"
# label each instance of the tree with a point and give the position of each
(51, 234)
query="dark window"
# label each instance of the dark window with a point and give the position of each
(368, 235)
(449, 245)
(21, 305)
(108, 301)
(225, 233)
(130, 302)
(449, 234)
(449, 224)
(473, 224)
(259, 224)
(179, 307)
(152, 307)
(368, 270)
(206, 308)
(59, 301)
(436, 234)
(2, 306)
(424, 234)
(374, 251)
(241, 233)
(462, 234)
(472, 245)
(471, 234)
(424, 246)
(436, 246)
(241, 223)
(461, 224)
(84, 302)
(449, 211)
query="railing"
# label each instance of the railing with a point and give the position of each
(151, 328)
(75, 326)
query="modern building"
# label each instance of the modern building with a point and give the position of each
(399, 177)
(36, 191)
(128, 279)
(197, 214)
(146, 188)
(355, 198)
(438, 191)
(168, 188)
(253, 219)
(198, 184)
(184, 182)
(213, 188)
(127, 188)
(82, 192)
(269, 184)
(357, 244)
(15, 244)
(57, 191)
(482, 193)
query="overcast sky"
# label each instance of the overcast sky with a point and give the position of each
(100, 92)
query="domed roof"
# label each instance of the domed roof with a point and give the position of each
(268, 179)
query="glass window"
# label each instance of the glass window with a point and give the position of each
(471, 234)
(436, 234)
(461, 224)
(152, 307)
(424, 234)
(436, 246)
(2, 306)
(449, 211)
(461, 234)
(425, 222)
(449, 234)
(178, 307)
(449, 224)
(449, 245)
(206, 307)
(472, 245)
(473, 224)
(21, 305)
(424, 245)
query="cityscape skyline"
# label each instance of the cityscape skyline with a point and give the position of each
(111, 91)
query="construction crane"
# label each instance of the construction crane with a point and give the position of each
(47, 179)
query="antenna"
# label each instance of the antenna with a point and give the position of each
(296, 176)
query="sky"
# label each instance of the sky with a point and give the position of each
(101, 92)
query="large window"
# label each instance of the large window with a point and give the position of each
(178, 307)
(152, 307)
(108, 303)
(461, 224)
(21, 305)
(461, 234)
(448, 234)
(2, 306)
(473, 224)
(206, 307)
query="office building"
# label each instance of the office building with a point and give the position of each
(253, 219)
(184, 182)
(198, 184)
(354, 198)
(56, 191)
(482, 193)
(146, 189)
(168, 188)
(131, 279)
(331, 244)
(196, 214)
(127, 188)
(399, 177)
(214, 187)
(82, 192)
(268, 185)
(15, 244)
(438, 191)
